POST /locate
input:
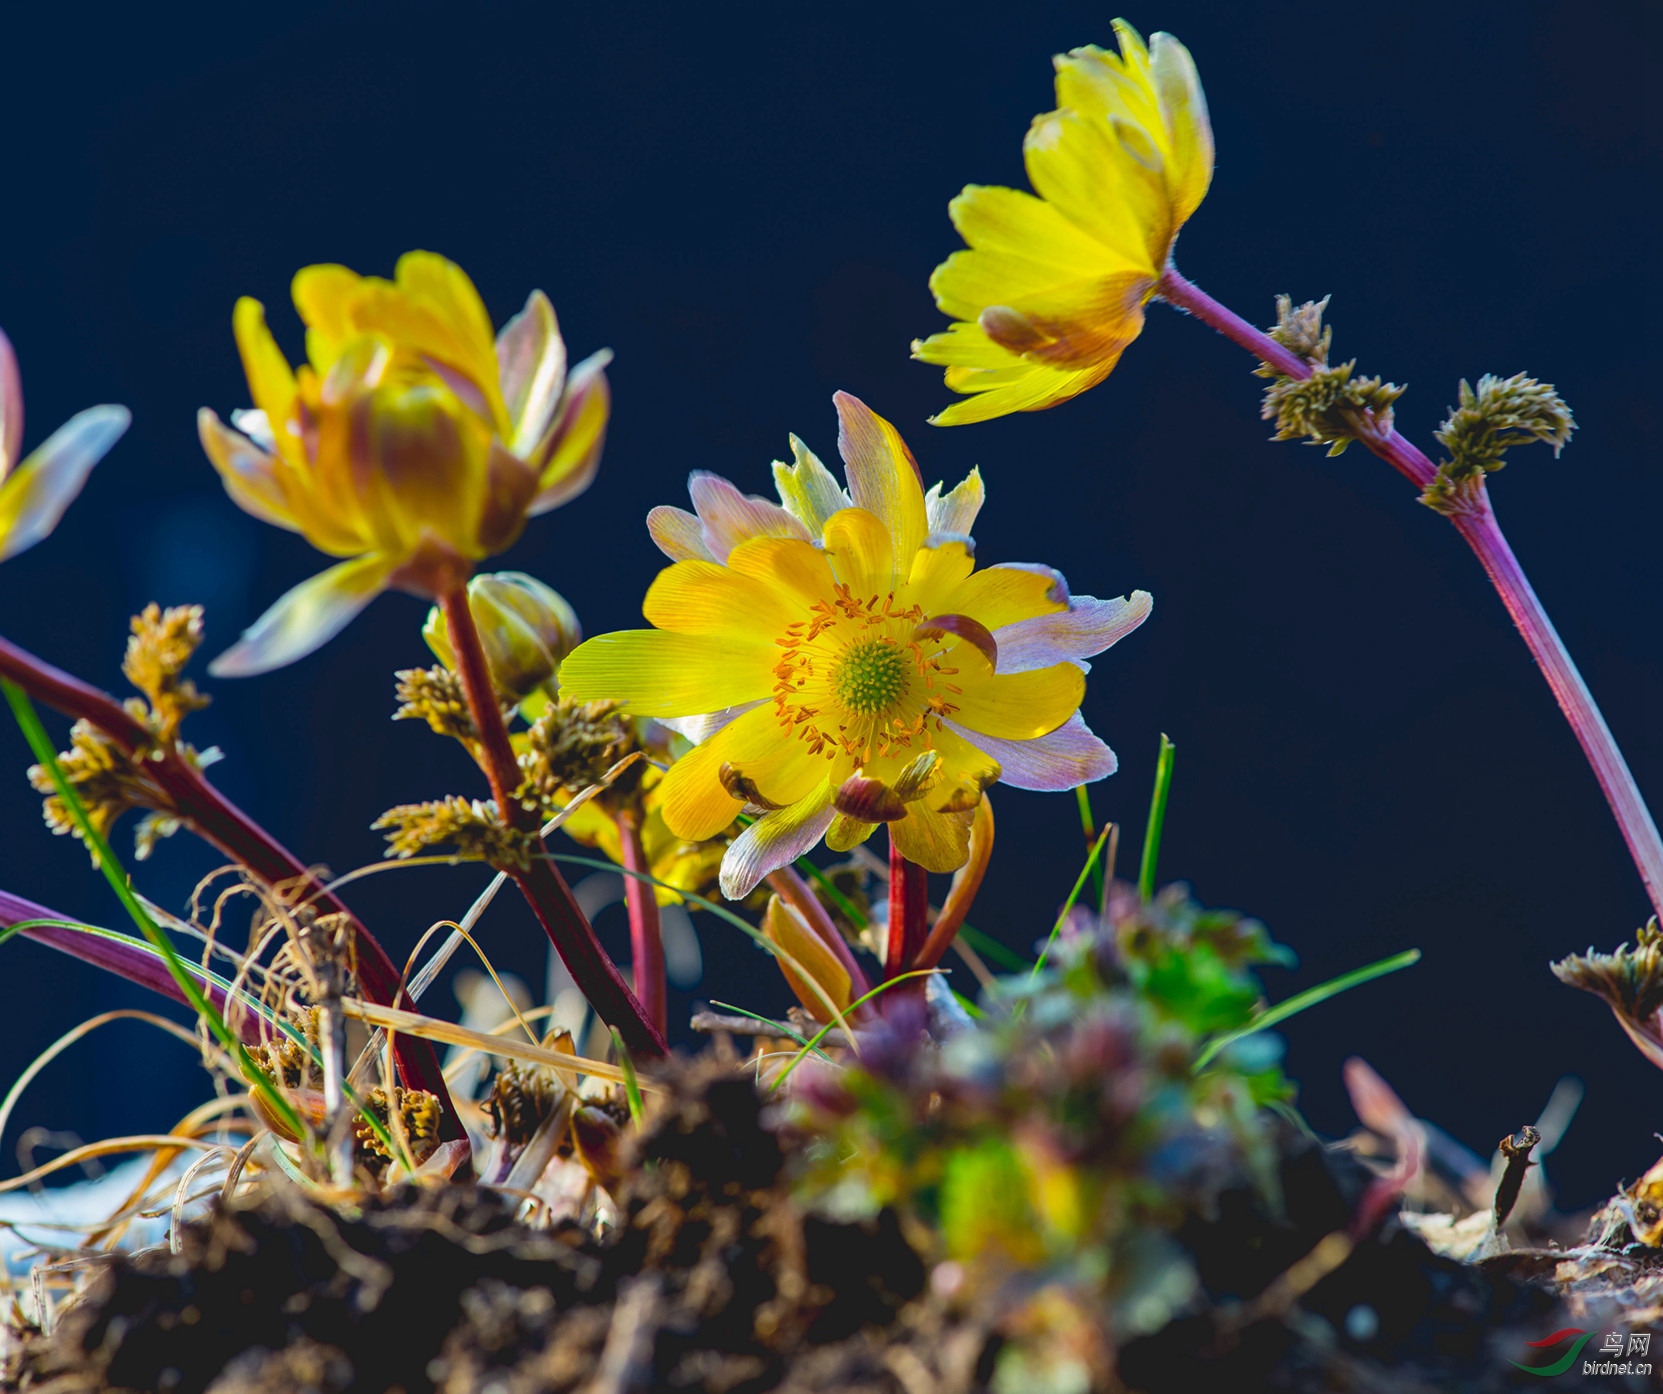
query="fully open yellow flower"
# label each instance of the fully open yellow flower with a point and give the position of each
(1052, 289)
(35, 491)
(410, 441)
(842, 664)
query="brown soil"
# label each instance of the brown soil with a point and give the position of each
(715, 1280)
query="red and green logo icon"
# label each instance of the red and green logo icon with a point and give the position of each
(1565, 1361)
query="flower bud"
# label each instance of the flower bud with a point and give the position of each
(525, 628)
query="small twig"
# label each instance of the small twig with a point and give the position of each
(1516, 1147)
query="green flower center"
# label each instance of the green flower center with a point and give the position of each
(870, 676)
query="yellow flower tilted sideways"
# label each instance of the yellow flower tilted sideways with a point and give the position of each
(1052, 287)
(840, 662)
(411, 442)
(35, 490)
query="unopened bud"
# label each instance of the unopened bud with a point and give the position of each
(525, 628)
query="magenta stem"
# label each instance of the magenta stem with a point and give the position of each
(1477, 524)
(646, 932)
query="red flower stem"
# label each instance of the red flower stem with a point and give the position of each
(646, 935)
(1477, 524)
(543, 886)
(794, 891)
(218, 821)
(909, 914)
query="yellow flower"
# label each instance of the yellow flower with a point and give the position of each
(840, 662)
(1052, 289)
(34, 492)
(410, 442)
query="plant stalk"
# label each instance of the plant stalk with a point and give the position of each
(646, 935)
(909, 913)
(543, 886)
(1478, 526)
(221, 823)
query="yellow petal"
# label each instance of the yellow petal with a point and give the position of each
(705, 597)
(1078, 165)
(846, 833)
(570, 451)
(696, 803)
(935, 841)
(1007, 593)
(810, 955)
(324, 296)
(250, 475)
(271, 382)
(1038, 386)
(306, 618)
(1184, 110)
(860, 552)
(809, 491)
(936, 572)
(1019, 706)
(662, 674)
(883, 479)
(788, 564)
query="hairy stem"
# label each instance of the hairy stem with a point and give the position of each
(543, 886)
(909, 913)
(1477, 524)
(218, 821)
(646, 935)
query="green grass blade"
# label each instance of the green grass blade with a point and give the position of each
(40, 743)
(1073, 895)
(632, 1085)
(826, 1030)
(989, 947)
(1088, 825)
(769, 1021)
(1157, 819)
(1309, 998)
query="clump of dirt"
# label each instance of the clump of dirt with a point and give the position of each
(716, 1279)
(712, 1279)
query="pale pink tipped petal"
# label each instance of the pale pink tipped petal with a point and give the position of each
(1383, 1112)
(569, 452)
(678, 533)
(11, 407)
(531, 366)
(305, 619)
(1069, 756)
(1085, 629)
(248, 472)
(883, 476)
(776, 839)
(730, 517)
(699, 729)
(956, 510)
(35, 494)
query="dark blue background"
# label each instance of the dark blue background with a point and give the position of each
(745, 203)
